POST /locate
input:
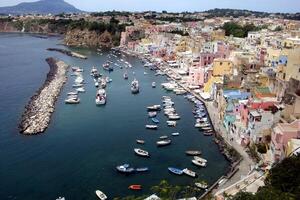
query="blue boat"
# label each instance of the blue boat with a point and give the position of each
(155, 120)
(175, 170)
(125, 169)
(142, 169)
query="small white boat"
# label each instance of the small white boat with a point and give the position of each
(72, 93)
(100, 97)
(81, 89)
(163, 142)
(189, 172)
(171, 123)
(141, 152)
(175, 134)
(152, 114)
(72, 101)
(101, 195)
(77, 85)
(61, 198)
(199, 163)
(151, 126)
(174, 117)
(140, 141)
(135, 87)
(96, 84)
(202, 185)
(153, 84)
(200, 159)
(153, 108)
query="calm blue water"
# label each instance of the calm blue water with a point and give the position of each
(83, 144)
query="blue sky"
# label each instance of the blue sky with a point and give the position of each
(177, 5)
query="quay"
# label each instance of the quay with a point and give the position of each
(68, 53)
(38, 111)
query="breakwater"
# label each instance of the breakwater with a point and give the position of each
(68, 53)
(38, 111)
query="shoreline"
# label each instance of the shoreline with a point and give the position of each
(37, 114)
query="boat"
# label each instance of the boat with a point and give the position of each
(72, 93)
(152, 114)
(163, 137)
(103, 83)
(101, 195)
(208, 133)
(79, 80)
(175, 170)
(81, 89)
(125, 75)
(61, 198)
(171, 123)
(141, 152)
(193, 153)
(72, 101)
(77, 85)
(199, 163)
(202, 185)
(106, 66)
(140, 141)
(203, 125)
(163, 142)
(135, 87)
(153, 84)
(125, 169)
(135, 187)
(100, 97)
(151, 126)
(175, 134)
(189, 172)
(174, 117)
(200, 159)
(142, 169)
(155, 120)
(96, 84)
(205, 128)
(153, 108)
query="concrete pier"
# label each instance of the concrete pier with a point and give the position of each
(69, 53)
(38, 111)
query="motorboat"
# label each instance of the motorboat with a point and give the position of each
(142, 169)
(201, 185)
(205, 128)
(135, 187)
(151, 126)
(100, 97)
(106, 66)
(153, 108)
(103, 83)
(208, 133)
(153, 84)
(171, 123)
(193, 153)
(72, 101)
(125, 169)
(175, 170)
(101, 195)
(96, 84)
(163, 137)
(141, 152)
(175, 134)
(79, 80)
(140, 141)
(135, 87)
(155, 120)
(125, 75)
(200, 159)
(81, 89)
(199, 163)
(108, 80)
(163, 142)
(72, 93)
(174, 117)
(189, 172)
(152, 114)
(78, 85)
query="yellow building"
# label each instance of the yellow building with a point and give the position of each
(292, 68)
(292, 145)
(291, 42)
(218, 35)
(222, 67)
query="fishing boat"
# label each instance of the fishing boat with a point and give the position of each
(135, 187)
(140, 141)
(125, 169)
(142, 169)
(125, 75)
(101, 195)
(100, 97)
(201, 185)
(77, 85)
(193, 153)
(175, 170)
(200, 159)
(81, 89)
(153, 108)
(72, 93)
(189, 172)
(152, 114)
(199, 163)
(155, 120)
(141, 152)
(153, 84)
(175, 134)
(135, 87)
(171, 123)
(163, 143)
(72, 101)
(163, 137)
(151, 126)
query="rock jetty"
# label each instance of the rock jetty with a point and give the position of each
(68, 53)
(38, 111)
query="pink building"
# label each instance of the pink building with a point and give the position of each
(206, 59)
(197, 76)
(281, 134)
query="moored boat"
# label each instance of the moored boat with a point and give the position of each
(175, 134)
(142, 169)
(175, 170)
(152, 114)
(101, 195)
(135, 87)
(153, 84)
(141, 152)
(163, 143)
(100, 97)
(125, 169)
(201, 185)
(72, 101)
(171, 123)
(153, 108)
(151, 126)
(189, 172)
(140, 141)
(163, 137)
(193, 153)
(81, 89)
(155, 120)
(135, 187)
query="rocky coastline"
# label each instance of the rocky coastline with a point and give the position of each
(38, 111)
(68, 53)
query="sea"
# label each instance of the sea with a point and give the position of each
(83, 144)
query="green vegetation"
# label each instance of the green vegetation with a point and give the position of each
(282, 183)
(179, 32)
(261, 148)
(237, 30)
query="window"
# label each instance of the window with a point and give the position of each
(221, 63)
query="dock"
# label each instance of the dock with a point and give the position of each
(68, 53)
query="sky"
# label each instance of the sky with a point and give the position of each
(177, 5)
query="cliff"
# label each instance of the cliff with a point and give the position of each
(88, 38)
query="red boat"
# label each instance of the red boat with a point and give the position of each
(135, 187)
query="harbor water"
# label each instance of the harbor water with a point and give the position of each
(84, 143)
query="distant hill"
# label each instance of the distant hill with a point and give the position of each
(40, 7)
